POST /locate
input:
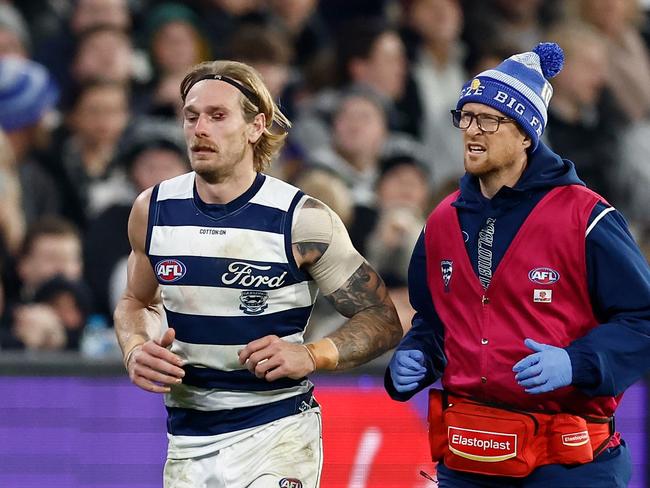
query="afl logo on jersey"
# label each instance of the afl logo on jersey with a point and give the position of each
(170, 270)
(543, 276)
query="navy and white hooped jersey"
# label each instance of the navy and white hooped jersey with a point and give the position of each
(228, 276)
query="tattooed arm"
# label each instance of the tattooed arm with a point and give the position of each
(321, 245)
(352, 286)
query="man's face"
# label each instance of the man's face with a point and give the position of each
(584, 74)
(101, 115)
(175, 47)
(359, 129)
(486, 153)
(385, 69)
(217, 136)
(437, 20)
(105, 55)
(51, 255)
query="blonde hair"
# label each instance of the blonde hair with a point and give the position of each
(272, 139)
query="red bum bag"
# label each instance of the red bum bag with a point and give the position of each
(492, 440)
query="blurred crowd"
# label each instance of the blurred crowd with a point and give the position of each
(89, 117)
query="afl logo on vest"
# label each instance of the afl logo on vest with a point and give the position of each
(543, 276)
(290, 483)
(170, 270)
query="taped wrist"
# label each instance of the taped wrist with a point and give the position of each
(323, 353)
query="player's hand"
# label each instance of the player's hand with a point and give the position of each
(272, 358)
(548, 369)
(407, 369)
(153, 367)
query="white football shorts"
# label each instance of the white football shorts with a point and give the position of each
(286, 453)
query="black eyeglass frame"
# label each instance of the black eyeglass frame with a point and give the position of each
(456, 116)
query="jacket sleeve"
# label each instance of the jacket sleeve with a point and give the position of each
(426, 333)
(616, 353)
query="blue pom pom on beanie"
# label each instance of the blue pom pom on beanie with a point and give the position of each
(519, 87)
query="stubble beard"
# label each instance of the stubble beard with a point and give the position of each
(220, 167)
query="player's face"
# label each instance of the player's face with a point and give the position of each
(489, 153)
(216, 133)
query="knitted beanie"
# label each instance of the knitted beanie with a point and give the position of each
(519, 87)
(27, 91)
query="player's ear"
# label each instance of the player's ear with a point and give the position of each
(256, 128)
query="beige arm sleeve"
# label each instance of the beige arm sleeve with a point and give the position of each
(320, 224)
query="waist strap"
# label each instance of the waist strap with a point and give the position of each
(599, 430)
(498, 440)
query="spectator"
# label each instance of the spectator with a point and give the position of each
(359, 133)
(14, 32)
(71, 302)
(12, 219)
(301, 20)
(52, 247)
(81, 156)
(403, 194)
(617, 23)
(103, 53)
(518, 23)
(27, 97)
(58, 51)
(222, 19)
(584, 124)
(436, 73)
(267, 50)
(175, 42)
(369, 55)
(330, 189)
(151, 152)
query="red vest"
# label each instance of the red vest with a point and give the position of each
(539, 290)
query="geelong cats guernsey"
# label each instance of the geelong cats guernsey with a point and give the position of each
(226, 279)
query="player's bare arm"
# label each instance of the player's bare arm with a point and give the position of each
(322, 246)
(373, 326)
(149, 363)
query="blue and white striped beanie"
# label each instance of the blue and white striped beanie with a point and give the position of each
(519, 87)
(27, 91)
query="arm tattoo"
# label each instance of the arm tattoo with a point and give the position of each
(373, 326)
(313, 203)
(311, 251)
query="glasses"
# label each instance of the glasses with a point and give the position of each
(486, 122)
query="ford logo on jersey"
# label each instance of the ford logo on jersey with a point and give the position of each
(170, 270)
(543, 276)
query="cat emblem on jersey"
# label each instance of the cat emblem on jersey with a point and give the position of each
(253, 302)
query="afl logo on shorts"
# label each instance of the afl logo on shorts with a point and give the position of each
(543, 276)
(290, 483)
(170, 270)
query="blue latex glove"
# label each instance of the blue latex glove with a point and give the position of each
(548, 369)
(406, 369)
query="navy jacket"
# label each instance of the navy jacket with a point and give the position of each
(609, 358)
